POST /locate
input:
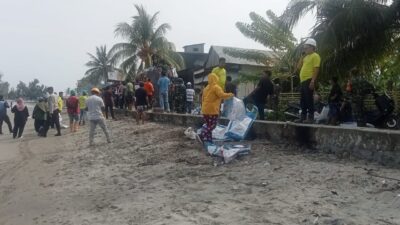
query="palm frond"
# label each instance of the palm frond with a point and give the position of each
(295, 10)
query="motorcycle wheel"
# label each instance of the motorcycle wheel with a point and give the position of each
(392, 123)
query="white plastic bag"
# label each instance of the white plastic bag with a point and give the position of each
(214, 150)
(323, 115)
(234, 109)
(230, 152)
(189, 133)
(219, 132)
(238, 129)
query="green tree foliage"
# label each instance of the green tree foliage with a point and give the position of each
(12, 94)
(32, 91)
(268, 32)
(145, 43)
(4, 86)
(349, 33)
(387, 76)
(22, 90)
(99, 66)
(35, 89)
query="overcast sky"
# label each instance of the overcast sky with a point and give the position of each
(49, 39)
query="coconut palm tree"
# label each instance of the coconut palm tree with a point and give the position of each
(99, 66)
(144, 43)
(268, 32)
(349, 32)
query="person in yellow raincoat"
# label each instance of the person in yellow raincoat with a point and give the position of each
(211, 102)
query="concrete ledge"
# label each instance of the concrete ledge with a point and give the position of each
(381, 146)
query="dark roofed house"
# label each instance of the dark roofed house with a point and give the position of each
(234, 66)
(194, 58)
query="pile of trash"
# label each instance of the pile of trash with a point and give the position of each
(240, 121)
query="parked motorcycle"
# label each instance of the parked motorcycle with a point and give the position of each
(383, 116)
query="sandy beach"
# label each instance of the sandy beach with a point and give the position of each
(151, 174)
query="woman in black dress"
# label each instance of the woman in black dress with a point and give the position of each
(21, 115)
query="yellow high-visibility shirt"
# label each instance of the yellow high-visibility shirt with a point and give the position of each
(82, 102)
(221, 74)
(310, 62)
(60, 103)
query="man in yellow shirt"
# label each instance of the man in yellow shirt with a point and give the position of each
(60, 101)
(309, 66)
(82, 107)
(221, 73)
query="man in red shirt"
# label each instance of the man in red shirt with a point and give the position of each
(73, 111)
(148, 86)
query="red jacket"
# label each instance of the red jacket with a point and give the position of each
(148, 86)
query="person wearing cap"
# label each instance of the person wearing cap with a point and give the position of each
(309, 66)
(189, 97)
(95, 107)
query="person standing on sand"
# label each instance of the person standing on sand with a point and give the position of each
(40, 113)
(21, 115)
(163, 85)
(130, 91)
(109, 102)
(230, 87)
(3, 115)
(211, 101)
(189, 97)
(259, 95)
(73, 111)
(54, 111)
(148, 86)
(82, 107)
(140, 103)
(95, 107)
(180, 96)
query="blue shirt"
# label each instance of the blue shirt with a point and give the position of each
(163, 84)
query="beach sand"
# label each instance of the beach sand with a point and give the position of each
(151, 174)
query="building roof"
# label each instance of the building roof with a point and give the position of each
(193, 60)
(193, 45)
(217, 52)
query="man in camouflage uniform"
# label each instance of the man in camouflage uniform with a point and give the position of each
(180, 96)
(171, 96)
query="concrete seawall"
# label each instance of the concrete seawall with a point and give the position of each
(381, 146)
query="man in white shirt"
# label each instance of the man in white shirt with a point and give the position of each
(95, 107)
(189, 97)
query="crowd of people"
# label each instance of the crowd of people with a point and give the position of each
(46, 113)
(172, 95)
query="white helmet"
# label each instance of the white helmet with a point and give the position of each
(311, 42)
(188, 83)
